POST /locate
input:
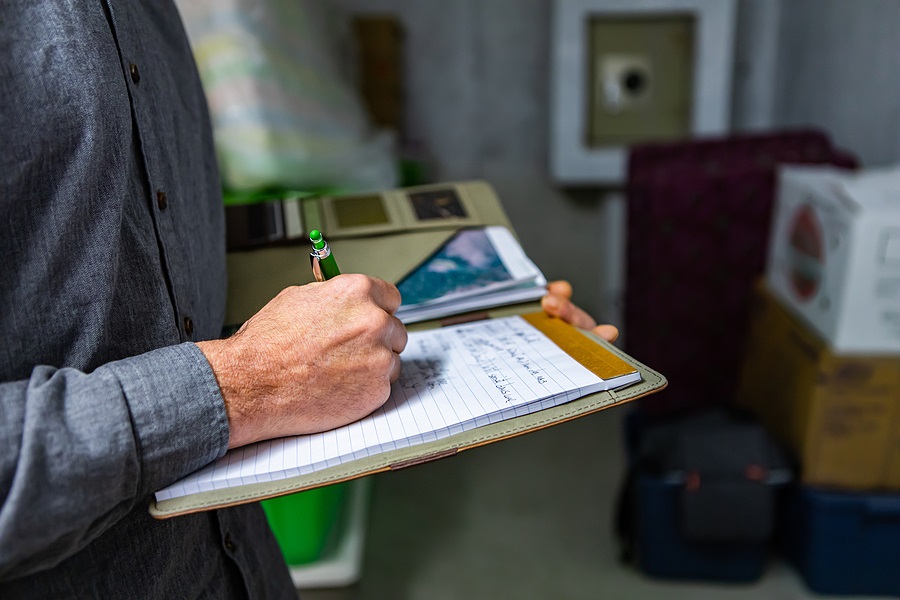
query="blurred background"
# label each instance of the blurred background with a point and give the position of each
(715, 177)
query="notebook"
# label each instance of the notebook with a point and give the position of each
(460, 386)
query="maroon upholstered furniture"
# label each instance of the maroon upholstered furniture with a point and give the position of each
(698, 225)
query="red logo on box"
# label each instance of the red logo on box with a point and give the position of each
(806, 253)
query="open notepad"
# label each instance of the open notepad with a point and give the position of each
(453, 379)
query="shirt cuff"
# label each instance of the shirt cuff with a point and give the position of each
(177, 413)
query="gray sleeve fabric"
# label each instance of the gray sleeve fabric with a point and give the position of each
(112, 264)
(81, 449)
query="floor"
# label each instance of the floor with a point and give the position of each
(526, 518)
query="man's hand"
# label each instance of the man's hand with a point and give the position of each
(314, 358)
(558, 303)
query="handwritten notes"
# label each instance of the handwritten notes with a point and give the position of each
(453, 380)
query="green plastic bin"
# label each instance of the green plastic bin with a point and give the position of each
(305, 522)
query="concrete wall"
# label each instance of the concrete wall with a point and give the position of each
(839, 68)
(757, 33)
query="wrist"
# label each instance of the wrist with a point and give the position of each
(231, 375)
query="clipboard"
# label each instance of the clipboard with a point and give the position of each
(597, 355)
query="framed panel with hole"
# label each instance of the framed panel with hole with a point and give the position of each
(632, 71)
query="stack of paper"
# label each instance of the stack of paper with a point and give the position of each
(475, 270)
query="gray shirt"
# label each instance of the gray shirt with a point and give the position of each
(111, 265)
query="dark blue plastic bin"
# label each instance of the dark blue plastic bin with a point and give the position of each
(661, 549)
(843, 543)
(664, 552)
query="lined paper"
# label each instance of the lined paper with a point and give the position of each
(452, 380)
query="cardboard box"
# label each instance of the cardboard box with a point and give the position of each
(834, 254)
(839, 415)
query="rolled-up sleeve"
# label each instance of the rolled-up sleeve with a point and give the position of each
(82, 448)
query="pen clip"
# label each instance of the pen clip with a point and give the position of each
(316, 267)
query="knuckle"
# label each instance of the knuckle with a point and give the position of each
(344, 285)
(382, 359)
(359, 283)
(380, 320)
(372, 324)
(392, 290)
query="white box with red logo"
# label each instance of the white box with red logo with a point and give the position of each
(834, 254)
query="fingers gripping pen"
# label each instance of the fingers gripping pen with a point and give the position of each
(322, 260)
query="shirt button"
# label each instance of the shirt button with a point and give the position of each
(229, 544)
(161, 200)
(188, 326)
(135, 74)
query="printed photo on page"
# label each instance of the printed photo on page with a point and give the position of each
(473, 262)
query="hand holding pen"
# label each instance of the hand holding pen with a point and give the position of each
(314, 358)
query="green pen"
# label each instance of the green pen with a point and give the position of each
(323, 264)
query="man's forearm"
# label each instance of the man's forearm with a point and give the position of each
(81, 449)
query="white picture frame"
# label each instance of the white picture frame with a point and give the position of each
(572, 161)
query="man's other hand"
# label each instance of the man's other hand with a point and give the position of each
(558, 303)
(316, 357)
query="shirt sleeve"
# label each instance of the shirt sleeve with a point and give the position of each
(82, 449)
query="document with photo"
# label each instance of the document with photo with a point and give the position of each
(474, 270)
